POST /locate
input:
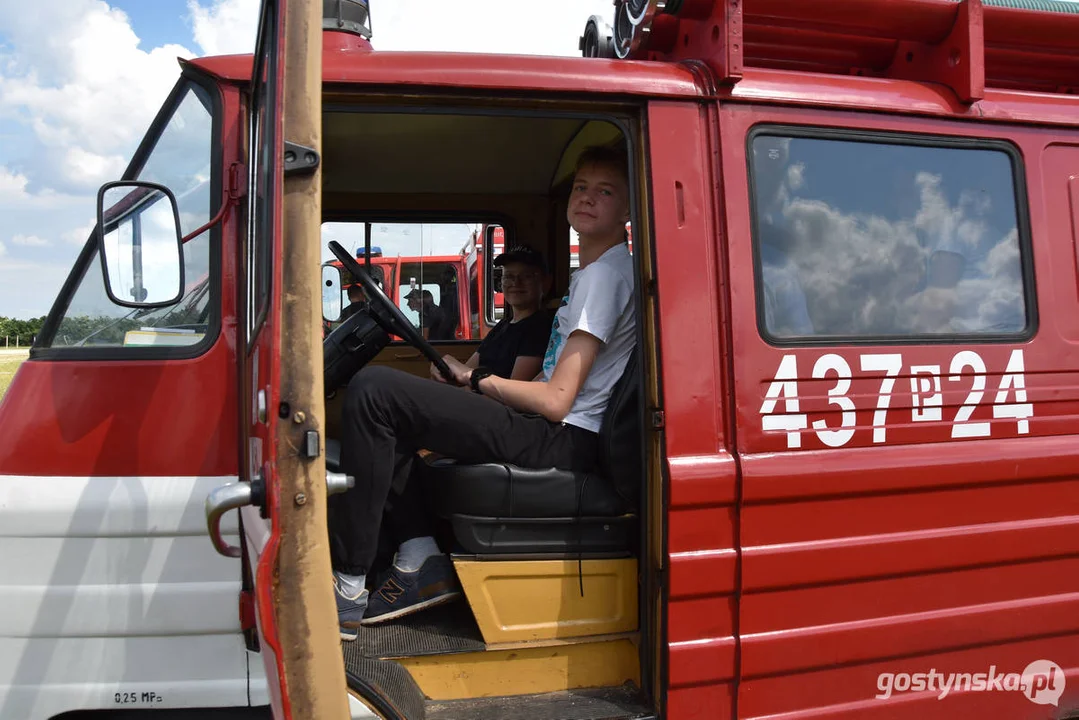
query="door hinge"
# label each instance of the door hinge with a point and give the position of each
(300, 159)
(237, 181)
(659, 419)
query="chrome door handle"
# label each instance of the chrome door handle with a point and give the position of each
(219, 502)
(236, 495)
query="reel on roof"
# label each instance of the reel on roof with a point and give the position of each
(597, 41)
(633, 23)
(632, 29)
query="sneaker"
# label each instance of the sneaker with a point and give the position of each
(402, 593)
(350, 610)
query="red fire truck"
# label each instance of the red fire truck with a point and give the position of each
(850, 489)
(462, 287)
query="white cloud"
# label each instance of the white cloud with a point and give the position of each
(12, 185)
(89, 169)
(79, 80)
(77, 236)
(3, 250)
(226, 27)
(27, 288)
(30, 241)
(864, 274)
(77, 93)
(82, 90)
(796, 176)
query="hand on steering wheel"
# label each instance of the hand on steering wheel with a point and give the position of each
(461, 372)
(388, 315)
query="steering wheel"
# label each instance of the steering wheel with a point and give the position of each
(388, 315)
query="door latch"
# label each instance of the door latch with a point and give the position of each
(311, 444)
(337, 483)
(658, 419)
(236, 495)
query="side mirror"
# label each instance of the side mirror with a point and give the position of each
(140, 243)
(332, 294)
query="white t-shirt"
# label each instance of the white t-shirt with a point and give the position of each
(600, 302)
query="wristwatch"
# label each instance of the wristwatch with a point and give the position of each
(479, 374)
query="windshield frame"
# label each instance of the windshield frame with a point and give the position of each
(42, 348)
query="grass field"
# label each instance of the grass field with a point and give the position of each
(9, 363)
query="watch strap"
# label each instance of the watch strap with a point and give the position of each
(479, 374)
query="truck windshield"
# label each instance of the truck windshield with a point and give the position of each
(180, 159)
(421, 266)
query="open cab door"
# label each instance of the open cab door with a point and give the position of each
(282, 490)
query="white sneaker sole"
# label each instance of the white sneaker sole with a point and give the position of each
(412, 608)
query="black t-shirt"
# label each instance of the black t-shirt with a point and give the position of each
(351, 310)
(507, 341)
(438, 323)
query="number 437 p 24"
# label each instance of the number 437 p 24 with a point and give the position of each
(925, 393)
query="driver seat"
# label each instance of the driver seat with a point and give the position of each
(498, 508)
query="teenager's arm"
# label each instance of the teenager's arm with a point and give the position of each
(552, 399)
(473, 362)
(525, 367)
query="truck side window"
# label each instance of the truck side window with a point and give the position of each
(884, 237)
(180, 158)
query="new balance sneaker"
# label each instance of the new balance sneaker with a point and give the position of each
(402, 593)
(350, 610)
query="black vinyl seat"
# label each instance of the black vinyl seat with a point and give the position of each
(498, 508)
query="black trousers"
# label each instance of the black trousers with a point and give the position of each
(388, 415)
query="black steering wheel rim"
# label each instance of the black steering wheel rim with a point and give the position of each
(402, 326)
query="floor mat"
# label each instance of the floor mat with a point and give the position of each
(440, 630)
(619, 703)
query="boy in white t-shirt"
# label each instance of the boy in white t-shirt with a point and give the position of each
(552, 421)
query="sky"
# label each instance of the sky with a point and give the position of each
(81, 81)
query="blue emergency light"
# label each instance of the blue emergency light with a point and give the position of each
(375, 252)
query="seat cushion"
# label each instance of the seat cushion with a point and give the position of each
(497, 490)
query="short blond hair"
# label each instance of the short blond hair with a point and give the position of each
(612, 157)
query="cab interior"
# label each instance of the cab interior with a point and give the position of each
(560, 609)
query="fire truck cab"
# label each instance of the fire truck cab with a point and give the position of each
(844, 456)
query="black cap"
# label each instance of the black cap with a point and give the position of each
(418, 294)
(522, 254)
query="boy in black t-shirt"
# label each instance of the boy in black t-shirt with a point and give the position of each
(515, 346)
